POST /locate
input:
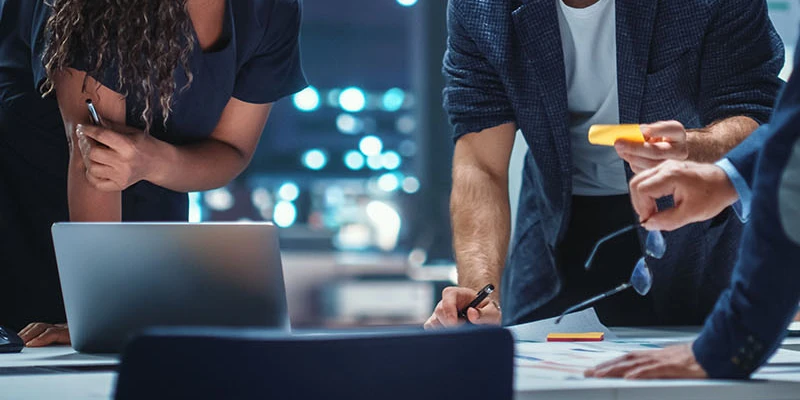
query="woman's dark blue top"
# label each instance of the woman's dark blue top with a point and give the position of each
(257, 61)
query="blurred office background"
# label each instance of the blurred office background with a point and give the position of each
(356, 168)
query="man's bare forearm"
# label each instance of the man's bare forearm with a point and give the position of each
(481, 223)
(710, 144)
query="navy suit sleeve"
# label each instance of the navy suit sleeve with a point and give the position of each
(750, 318)
(742, 56)
(474, 96)
(744, 156)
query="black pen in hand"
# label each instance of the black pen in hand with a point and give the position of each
(488, 289)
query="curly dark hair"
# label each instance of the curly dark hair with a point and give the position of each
(144, 40)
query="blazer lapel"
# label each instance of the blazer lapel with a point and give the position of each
(635, 22)
(536, 25)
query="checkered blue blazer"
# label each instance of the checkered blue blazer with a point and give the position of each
(695, 61)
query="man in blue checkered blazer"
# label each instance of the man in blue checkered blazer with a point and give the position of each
(700, 74)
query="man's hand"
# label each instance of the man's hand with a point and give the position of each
(675, 362)
(663, 141)
(701, 191)
(454, 299)
(39, 334)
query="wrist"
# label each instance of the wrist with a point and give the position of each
(724, 186)
(162, 155)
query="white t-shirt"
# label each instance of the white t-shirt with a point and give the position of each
(588, 37)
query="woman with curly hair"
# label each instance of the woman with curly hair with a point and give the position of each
(183, 89)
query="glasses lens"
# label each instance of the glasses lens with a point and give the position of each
(656, 246)
(642, 278)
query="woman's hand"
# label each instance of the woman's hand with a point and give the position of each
(39, 334)
(116, 157)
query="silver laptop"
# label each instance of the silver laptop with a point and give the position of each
(119, 278)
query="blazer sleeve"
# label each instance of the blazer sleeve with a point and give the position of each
(744, 156)
(750, 318)
(474, 95)
(742, 57)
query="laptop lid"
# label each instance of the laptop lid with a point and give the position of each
(119, 278)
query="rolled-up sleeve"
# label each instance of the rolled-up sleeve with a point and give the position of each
(474, 96)
(742, 57)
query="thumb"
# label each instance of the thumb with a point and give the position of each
(668, 220)
(474, 315)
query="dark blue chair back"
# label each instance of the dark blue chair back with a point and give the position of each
(463, 364)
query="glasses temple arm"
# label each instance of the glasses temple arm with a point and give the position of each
(593, 300)
(605, 239)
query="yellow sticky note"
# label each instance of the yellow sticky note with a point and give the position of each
(607, 135)
(576, 337)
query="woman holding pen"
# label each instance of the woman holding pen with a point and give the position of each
(183, 89)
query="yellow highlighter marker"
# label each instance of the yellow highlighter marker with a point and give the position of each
(576, 337)
(607, 135)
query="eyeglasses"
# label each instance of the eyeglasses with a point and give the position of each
(641, 279)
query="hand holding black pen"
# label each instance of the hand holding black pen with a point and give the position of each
(479, 297)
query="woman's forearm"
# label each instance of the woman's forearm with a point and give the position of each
(87, 204)
(202, 166)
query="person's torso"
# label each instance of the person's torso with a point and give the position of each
(588, 38)
(31, 125)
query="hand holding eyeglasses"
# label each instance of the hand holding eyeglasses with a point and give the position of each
(701, 191)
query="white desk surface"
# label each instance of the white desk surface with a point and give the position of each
(779, 382)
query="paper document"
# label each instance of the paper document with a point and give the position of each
(582, 321)
(561, 360)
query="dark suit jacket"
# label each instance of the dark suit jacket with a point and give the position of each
(695, 61)
(750, 319)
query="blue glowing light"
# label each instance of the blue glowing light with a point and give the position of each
(315, 159)
(354, 160)
(371, 145)
(307, 99)
(390, 160)
(289, 191)
(285, 214)
(388, 182)
(352, 99)
(393, 99)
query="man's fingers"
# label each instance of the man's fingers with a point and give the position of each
(432, 323)
(668, 220)
(627, 357)
(657, 151)
(643, 204)
(447, 311)
(663, 370)
(487, 315)
(664, 130)
(621, 368)
(639, 164)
